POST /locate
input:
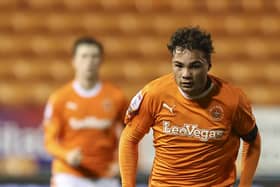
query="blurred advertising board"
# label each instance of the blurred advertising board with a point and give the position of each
(21, 142)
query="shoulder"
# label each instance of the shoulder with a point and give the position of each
(57, 99)
(110, 86)
(113, 90)
(230, 93)
(226, 87)
(149, 96)
(160, 85)
(61, 93)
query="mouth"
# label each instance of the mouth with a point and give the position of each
(187, 84)
(90, 70)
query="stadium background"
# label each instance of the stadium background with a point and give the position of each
(35, 58)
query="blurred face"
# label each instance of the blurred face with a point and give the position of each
(86, 62)
(190, 69)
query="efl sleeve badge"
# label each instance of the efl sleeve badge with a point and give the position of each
(134, 105)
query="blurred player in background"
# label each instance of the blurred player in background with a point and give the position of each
(80, 123)
(197, 121)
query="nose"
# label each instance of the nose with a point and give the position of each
(186, 74)
(91, 61)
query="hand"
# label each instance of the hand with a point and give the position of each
(74, 157)
(113, 170)
(244, 185)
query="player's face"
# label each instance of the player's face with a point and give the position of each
(86, 61)
(190, 69)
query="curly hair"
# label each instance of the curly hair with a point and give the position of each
(87, 41)
(192, 38)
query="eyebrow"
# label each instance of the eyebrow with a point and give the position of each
(193, 62)
(196, 61)
(178, 62)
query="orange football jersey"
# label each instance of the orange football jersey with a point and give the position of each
(196, 140)
(85, 119)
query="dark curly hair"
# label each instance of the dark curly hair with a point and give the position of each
(192, 38)
(88, 41)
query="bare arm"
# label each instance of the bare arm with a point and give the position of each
(250, 157)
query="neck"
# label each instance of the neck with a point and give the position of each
(87, 83)
(207, 88)
(207, 84)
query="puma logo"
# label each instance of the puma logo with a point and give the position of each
(71, 105)
(170, 109)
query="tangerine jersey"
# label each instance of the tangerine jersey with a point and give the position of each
(76, 118)
(196, 140)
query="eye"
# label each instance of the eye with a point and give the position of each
(196, 65)
(178, 65)
(95, 55)
(84, 55)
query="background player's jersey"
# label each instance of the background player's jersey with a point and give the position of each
(85, 119)
(196, 140)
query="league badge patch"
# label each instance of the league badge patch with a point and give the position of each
(134, 105)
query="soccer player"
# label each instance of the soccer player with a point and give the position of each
(197, 121)
(81, 122)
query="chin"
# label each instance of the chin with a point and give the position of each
(188, 91)
(90, 75)
(88, 78)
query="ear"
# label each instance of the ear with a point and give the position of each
(209, 66)
(74, 64)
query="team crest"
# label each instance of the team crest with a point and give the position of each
(217, 113)
(107, 105)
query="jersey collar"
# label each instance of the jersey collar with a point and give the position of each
(87, 93)
(203, 94)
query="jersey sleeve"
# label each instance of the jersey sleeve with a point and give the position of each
(139, 118)
(244, 120)
(140, 113)
(52, 123)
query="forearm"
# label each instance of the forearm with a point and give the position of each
(55, 149)
(250, 158)
(128, 158)
(51, 141)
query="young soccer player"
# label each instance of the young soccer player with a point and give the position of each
(197, 121)
(80, 123)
